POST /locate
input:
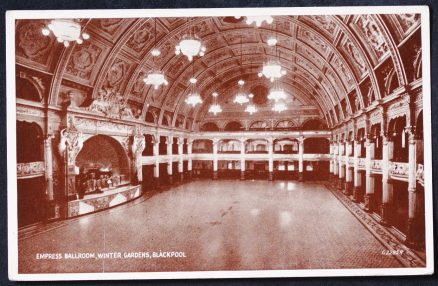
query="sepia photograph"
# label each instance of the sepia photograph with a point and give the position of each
(219, 143)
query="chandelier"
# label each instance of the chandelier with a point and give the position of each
(272, 41)
(279, 107)
(193, 98)
(241, 97)
(155, 77)
(258, 20)
(215, 108)
(272, 71)
(65, 31)
(250, 108)
(277, 94)
(190, 46)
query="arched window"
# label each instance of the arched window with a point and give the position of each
(313, 124)
(233, 126)
(150, 117)
(209, 126)
(400, 138)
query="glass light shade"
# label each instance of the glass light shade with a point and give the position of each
(241, 98)
(155, 52)
(258, 20)
(190, 47)
(193, 99)
(272, 41)
(279, 107)
(156, 78)
(250, 108)
(215, 109)
(65, 31)
(272, 71)
(277, 94)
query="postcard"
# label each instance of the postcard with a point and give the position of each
(219, 143)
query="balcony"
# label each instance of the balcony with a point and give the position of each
(399, 171)
(30, 170)
(376, 166)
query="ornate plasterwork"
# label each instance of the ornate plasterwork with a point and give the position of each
(325, 23)
(372, 35)
(111, 104)
(83, 59)
(31, 44)
(353, 53)
(31, 169)
(343, 71)
(408, 21)
(315, 41)
(71, 142)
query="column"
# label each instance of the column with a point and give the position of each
(271, 159)
(357, 179)
(180, 158)
(242, 158)
(51, 205)
(215, 158)
(348, 170)
(369, 183)
(341, 165)
(331, 162)
(335, 163)
(169, 143)
(156, 150)
(301, 159)
(387, 191)
(189, 157)
(413, 233)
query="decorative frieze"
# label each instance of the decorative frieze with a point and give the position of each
(30, 169)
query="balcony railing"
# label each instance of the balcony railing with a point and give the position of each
(399, 170)
(376, 166)
(420, 174)
(361, 163)
(30, 169)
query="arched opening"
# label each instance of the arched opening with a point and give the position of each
(376, 138)
(316, 146)
(209, 126)
(25, 89)
(162, 146)
(175, 146)
(149, 147)
(233, 126)
(400, 138)
(285, 146)
(104, 164)
(165, 121)
(259, 125)
(285, 125)
(259, 146)
(202, 146)
(419, 135)
(229, 146)
(31, 184)
(149, 117)
(314, 124)
(361, 140)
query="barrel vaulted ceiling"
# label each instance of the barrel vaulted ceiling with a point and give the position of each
(336, 65)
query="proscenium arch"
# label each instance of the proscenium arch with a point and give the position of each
(122, 156)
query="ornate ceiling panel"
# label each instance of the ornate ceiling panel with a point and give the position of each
(326, 58)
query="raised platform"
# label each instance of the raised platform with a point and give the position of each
(97, 202)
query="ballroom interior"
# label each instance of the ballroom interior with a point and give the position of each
(288, 126)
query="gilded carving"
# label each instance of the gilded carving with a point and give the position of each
(354, 54)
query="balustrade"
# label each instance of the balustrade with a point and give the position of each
(30, 169)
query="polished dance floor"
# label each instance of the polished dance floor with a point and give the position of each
(211, 225)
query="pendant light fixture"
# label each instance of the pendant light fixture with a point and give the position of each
(190, 46)
(66, 31)
(259, 20)
(251, 108)
(193, 98)
(272, 68)
(155, 77)
(215, 108)
(241, 96)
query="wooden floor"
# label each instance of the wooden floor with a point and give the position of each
(216, 225)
